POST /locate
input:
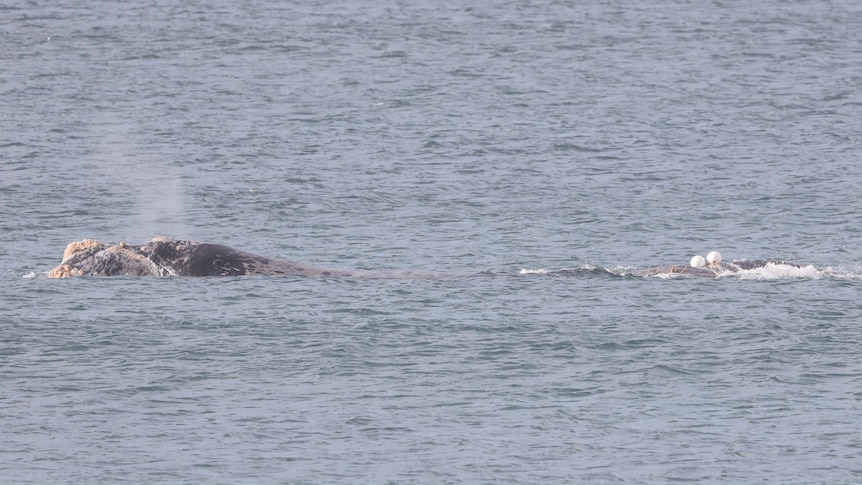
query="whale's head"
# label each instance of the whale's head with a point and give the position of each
(81, 249)
(73, 256)
(92, 257)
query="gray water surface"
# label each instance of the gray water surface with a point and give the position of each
(547, 148)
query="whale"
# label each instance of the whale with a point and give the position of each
(163, 256)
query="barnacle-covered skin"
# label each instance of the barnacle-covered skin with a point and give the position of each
(163, 256)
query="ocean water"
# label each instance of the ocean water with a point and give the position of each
(540, 151)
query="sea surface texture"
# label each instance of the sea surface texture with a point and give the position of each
(536, 154)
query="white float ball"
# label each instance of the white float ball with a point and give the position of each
(713, 258)
(698, 262)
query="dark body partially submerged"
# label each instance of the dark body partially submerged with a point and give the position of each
(168, 257)
(712, 271)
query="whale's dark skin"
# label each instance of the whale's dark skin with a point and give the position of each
(169, 257)
(711, 271)
(680, 269)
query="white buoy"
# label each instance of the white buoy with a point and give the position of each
(698, 262)
(713, 258)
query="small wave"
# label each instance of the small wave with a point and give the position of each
(533, 271)
(842, 273)
(669, 276)
(586, 270)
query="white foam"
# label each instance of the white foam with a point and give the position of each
(777, 271)
(668, 276)
(533, 271)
